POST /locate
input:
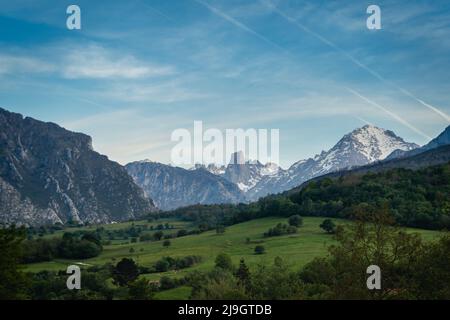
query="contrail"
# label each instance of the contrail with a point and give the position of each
(354, 60)
(393, 115)
(240, 25)
(441, 113)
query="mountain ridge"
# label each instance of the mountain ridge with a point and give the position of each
(51, 175)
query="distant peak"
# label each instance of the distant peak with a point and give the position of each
(237, 158)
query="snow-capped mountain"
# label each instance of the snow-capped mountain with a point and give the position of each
(244, 180)
(360, 147)
(246, 174)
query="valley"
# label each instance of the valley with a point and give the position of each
(296, 250)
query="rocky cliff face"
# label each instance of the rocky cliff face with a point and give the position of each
(49, 175)
(173, 187)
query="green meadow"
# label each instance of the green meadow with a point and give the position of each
(238, 241)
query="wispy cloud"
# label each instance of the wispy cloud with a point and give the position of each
(240, 25)
(351, 58)
(10, 64)
(97, 62)
(390, 113)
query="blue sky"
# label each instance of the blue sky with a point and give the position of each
(137, 70)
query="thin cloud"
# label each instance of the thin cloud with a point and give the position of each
(390, 113)
(97, 62)
(240, 25)
(354, 60)
(23, 64)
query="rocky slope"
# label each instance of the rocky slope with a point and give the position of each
(51, 175)
(173, 187)
(442, 139)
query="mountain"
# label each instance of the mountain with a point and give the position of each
(429, 158)
(441, 140)
(360, 147)
(173, 187)
(246, 174)
(51, 175)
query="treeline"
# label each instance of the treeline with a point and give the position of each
(416, 198)
(69, 246)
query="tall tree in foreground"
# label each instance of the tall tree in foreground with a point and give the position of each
(370, 240)
(13, 282)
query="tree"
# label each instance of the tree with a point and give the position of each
(220, 229)
(158, 235)
(370, 240)
(260, 249)
(182, 233)
(328, 225)
(243, 274)
(125, 272)
(296, 221)
(162, 265)
(166, 243)
(13, 282)
(223, 261)
(140, 290)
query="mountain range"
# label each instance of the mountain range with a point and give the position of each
(51, 175)
(173, 187)
(176, 187)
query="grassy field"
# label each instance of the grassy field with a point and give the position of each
(296, 250)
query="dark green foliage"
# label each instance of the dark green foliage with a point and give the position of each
(243, 274)
(182, 233)
(125, 272)
(169, 263)
(50, 286)
(418, 198)
(410, 268)
(220, 229)
(166, 243)
(70, 246)
(275, 282)
(295, 220)
(158, 235)
(280, 229)
(219, 284)
(223, 261)
(260, 249)
(140, 290)
(329, 226)
(13, 283)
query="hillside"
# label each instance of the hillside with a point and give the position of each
(51, 175)
(173, 187)
(416, 198)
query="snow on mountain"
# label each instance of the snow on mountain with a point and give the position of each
(360, 147)
(245, 174)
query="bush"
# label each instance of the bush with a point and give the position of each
(328, 225)
(166, 243)
(260, 250)
(223, 261)
(296, 221)
(182, 233)
(280, 229)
